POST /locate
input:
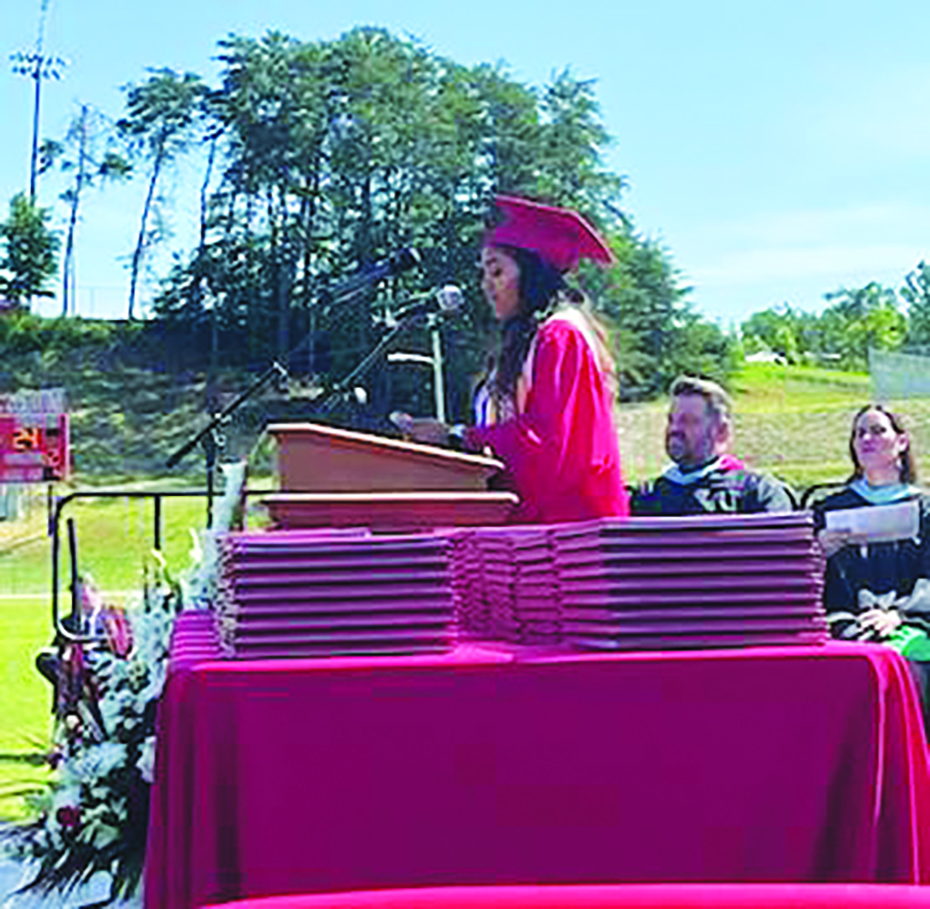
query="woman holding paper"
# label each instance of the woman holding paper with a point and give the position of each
(877, 587)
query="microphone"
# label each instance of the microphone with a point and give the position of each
(400, 261)
(449, 299)
(443, 301)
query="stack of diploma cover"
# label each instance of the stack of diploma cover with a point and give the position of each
(536, 595)
(708, 581)
(471, 609)
(309, 593)
(482, 583)
(514, 596)
(498, 575)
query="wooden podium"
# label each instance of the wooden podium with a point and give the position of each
(333, 477)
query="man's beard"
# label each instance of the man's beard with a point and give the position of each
(677, 448)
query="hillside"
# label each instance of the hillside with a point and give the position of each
(127, 419)
(134, 401)
(135, 395)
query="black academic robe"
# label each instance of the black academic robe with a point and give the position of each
(724, 491)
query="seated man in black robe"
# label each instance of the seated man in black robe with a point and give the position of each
(705, 478)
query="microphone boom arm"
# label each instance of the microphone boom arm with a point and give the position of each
(218, 420)
(369, 360)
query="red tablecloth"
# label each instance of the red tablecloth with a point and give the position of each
(614, 896)
(295, 776)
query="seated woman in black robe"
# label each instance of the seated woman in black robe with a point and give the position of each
(880, 591)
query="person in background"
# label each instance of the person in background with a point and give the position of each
(546, 405)
(704, 476)
(880, 591)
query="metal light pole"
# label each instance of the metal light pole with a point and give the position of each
(37, 67)
(439, 389)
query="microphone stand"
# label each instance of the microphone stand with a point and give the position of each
(369, 360)
(211, 438)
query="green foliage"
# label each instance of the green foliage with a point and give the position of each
(25, 338)
(88, 157)
(325, 156)
(856, 321)
(30, 247)
(656, 333)
(571, 137)
(161, 115)
(110, 372)
(916, 293)
(779, 330)
(864, 318)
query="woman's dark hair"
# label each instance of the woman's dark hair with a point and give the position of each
(540, 285)
(907, 467)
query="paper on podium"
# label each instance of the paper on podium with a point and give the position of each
(878, 523)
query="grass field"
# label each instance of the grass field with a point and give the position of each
(792, 421)
(26, 699)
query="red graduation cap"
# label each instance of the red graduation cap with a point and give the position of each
(560, 236)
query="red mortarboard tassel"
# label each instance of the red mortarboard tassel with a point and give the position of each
(560, 236)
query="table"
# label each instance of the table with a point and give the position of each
(482, 767)
(613, 896)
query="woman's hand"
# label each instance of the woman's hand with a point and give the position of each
(832, 541)
(432, 432)
(883, 622)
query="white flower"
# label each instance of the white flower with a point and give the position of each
(111, 708)
(98, 760)
(100, 823)
(146, 762)
(85, 781)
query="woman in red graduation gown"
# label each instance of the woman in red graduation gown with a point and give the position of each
(546, 406)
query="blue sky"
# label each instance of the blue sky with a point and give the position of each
(778, 150)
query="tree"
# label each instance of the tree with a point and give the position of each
(654, 329)
(916, 293)
(573, 139)
(87, 156)
(333, 154)
(778, 329)
(30, 247)
(857, 320)
(862, 318)
(161, 115)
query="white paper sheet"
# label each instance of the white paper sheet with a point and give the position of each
(878, 523)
